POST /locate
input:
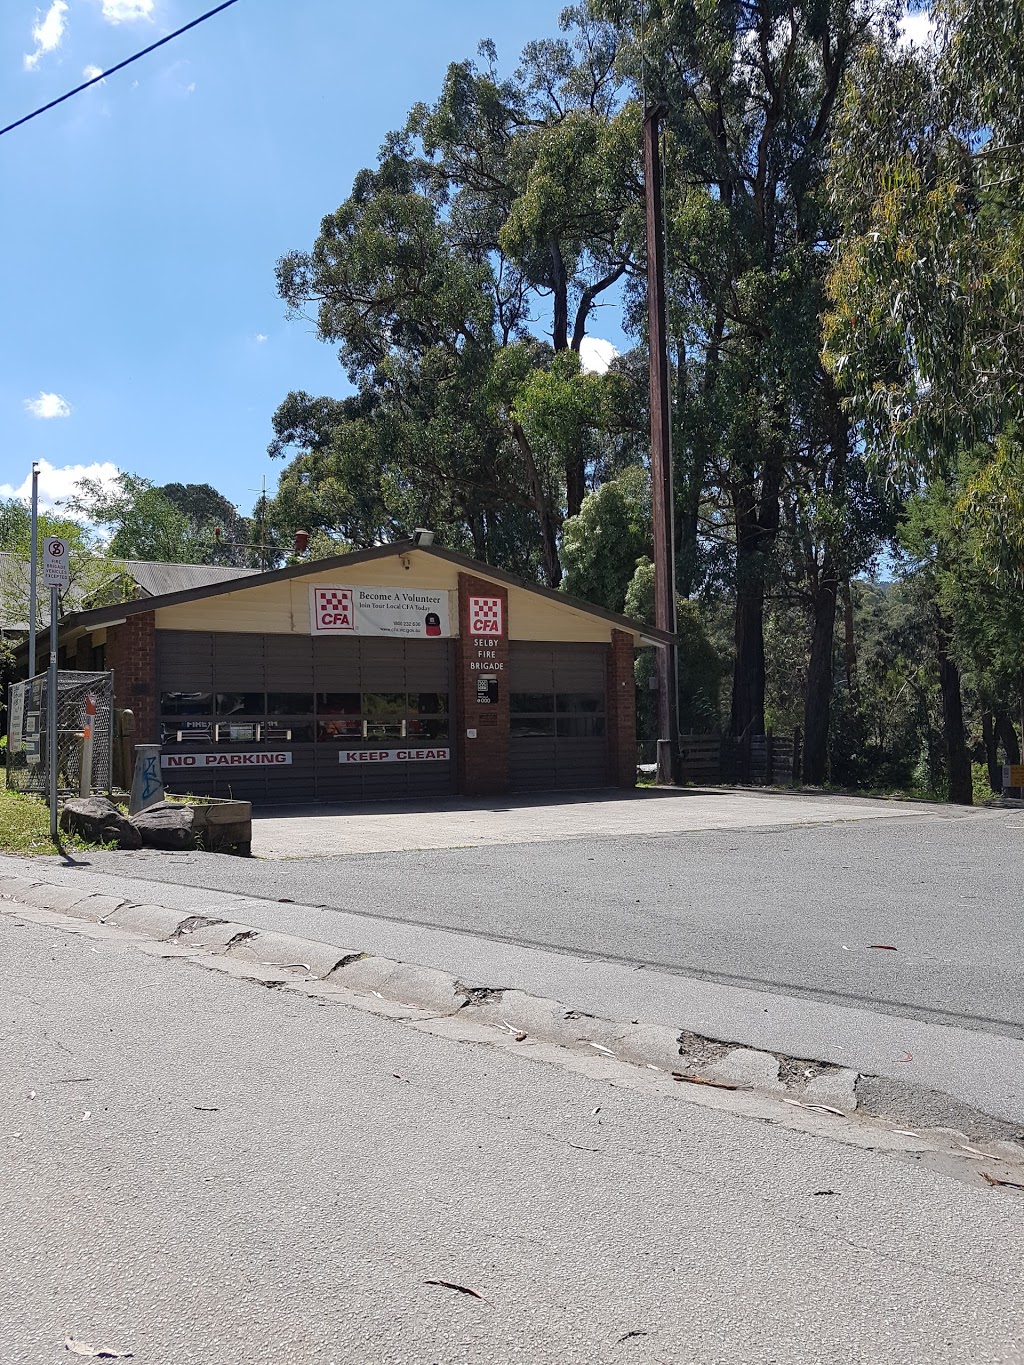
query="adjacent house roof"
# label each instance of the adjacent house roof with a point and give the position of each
(100, 616)
(149, 579)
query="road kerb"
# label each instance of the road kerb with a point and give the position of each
(809, 1096)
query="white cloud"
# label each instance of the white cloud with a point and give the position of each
(596, 355)
(190, 89)
(47, 32)
(57, 484)
(917, 29)
(48, 405)
(261, 337)
(127, 11)
(91, 72)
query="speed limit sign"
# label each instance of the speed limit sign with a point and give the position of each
(56, 569)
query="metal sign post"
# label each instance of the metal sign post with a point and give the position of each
(34, 555)
(57, 574)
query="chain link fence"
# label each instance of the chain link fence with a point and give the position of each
(28, 739)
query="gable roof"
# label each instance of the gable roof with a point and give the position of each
(152, 578)
(100, 616)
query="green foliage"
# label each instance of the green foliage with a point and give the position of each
(601, 546)
(95, 580)
(702, 665)
(927, 288)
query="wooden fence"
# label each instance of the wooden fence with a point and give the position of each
(770, 760)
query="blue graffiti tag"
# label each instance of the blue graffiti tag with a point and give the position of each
(150, 777)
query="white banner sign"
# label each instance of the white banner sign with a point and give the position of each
(16, 725)
(253, 760)
(348, 756)
(409, 612)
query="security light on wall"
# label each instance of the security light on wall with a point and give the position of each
(421, 537)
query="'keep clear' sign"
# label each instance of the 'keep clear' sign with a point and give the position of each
(350, 756)
(412, 613)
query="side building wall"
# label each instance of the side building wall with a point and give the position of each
(131, 655)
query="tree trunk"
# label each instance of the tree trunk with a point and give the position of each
(691, 490)
(1007, 737)
(575, 482)
(850, 645)
(748, 683)
(818, 703)
(560, 291)
(542, 506)
(988, 739)
(958, 761)
(756, 529)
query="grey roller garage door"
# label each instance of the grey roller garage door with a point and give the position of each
(558, 724)
(347, 714)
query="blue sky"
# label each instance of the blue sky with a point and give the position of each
(142, 218)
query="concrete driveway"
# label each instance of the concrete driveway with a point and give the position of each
(385, 827)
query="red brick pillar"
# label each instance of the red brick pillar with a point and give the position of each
(621, 711)
(131, 656)
(481, 687)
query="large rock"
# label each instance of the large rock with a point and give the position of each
(99, 821)
(168, 824)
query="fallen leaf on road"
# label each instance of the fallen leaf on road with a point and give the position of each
(907, 1057)
(703, 1080)
(888, 947)
(819, 1192)
(826, 1108)
(87, 1115)
(459, 1288)
(81, 1348)
(994, 1180)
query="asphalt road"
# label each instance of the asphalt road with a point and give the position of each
(789, 911)
(196, 1169)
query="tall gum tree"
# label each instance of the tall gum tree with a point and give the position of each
(750, 91)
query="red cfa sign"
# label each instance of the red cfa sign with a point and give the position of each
(486, 616)
(333, 610)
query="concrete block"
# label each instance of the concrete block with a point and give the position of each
(408, 984)
(46, 896)
(154, 921)
(16, 887)
(836, 1088)
(285, 950)
(744, 1066)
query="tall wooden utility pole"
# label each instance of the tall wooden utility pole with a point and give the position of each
(662, 502)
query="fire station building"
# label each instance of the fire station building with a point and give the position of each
(403, 671)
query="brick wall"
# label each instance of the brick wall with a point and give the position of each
(621, 711)
(483, 760)
(131, 656)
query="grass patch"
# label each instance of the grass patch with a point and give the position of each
(25, 824)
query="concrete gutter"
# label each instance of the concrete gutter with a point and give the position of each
(806, 1093)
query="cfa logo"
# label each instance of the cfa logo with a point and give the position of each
(334, 609)
(485, 616)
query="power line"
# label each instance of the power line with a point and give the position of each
(120, 66)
